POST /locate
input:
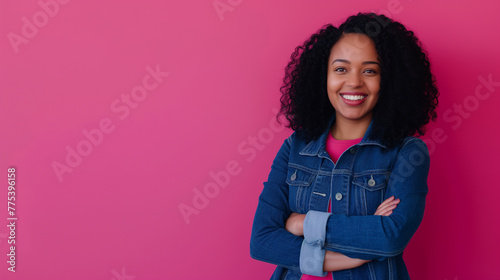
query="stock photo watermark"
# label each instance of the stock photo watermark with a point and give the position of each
(223, 6)
(393, 7)
(220, 179)
(122, 108)
(121, 275)
(11, 218)
(31, 26)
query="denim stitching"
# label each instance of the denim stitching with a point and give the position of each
(372, 272)
(389, 263)
(297, 198)
(363, 202)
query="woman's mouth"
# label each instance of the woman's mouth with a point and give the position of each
(353, 99)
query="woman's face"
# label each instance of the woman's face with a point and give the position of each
(353, 80)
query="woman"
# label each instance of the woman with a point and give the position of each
(347, 190)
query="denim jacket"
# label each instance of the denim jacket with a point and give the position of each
(303, 179)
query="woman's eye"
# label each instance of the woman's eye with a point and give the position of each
(370, 71)
(340, 69)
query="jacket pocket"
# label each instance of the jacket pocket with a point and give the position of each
(369, 188)
(299, 180)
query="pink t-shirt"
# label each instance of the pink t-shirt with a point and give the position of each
(334, 148)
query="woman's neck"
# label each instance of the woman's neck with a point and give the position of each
(344, 129)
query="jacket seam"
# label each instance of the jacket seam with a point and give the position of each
(364, 251)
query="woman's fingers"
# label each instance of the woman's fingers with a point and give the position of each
(387, 210)
(384, 204)
(390, 205)
(386, 207)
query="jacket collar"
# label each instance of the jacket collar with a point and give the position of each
(317, 147)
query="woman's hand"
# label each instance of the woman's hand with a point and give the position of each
(295, 224)
(385, 209)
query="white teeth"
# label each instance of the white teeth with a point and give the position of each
(353, 97)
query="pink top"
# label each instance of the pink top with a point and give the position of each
(334, 148)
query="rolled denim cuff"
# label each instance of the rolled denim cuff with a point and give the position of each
(312, 258)
(312, 253)
(315, 227)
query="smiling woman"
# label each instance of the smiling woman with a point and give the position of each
(346, 191)
(353, 83)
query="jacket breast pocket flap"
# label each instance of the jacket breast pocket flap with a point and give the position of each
(371, 182)
(299, 177)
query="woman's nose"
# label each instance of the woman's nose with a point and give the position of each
(354, 80)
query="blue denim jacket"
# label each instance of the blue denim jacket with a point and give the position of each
(303, 179)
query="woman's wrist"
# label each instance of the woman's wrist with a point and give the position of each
(335, 261)
(295, 224)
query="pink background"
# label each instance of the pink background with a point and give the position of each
(116, 214)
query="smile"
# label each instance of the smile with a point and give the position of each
(353, 97)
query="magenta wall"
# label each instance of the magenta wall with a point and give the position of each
(116, 115)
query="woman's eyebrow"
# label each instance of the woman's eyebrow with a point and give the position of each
(341, 60)
(348, 62)
(371, 62)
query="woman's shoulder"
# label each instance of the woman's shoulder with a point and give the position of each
(295, 138)
(413, 147)
(412, 142)
(298, 140)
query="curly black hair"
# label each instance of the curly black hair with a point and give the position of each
(408, 95)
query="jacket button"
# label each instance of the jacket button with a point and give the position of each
(371, 182)
(352, 151)
(338, 196)
(294, 176)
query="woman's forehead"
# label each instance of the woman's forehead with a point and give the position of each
(354, 46)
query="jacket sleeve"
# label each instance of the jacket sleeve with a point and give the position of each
(270, 241)
(378, 237)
